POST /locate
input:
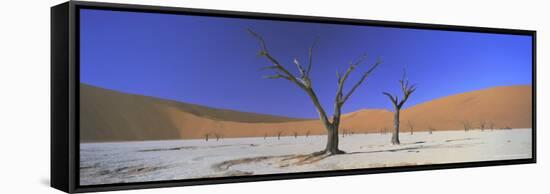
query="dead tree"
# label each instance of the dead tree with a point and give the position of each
(265, 136)
(430, 129)
(217, 136)
(206, 137)
(279, 135)
(411, 126)
(467, 125)
(407, 90)
(307, 134)
(303, 82)
(482, 124)
(383, 131)
(492, 125)
(295, 134)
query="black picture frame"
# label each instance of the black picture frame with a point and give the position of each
(65, 95)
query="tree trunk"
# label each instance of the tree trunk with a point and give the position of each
(332, 140)
(395, 135)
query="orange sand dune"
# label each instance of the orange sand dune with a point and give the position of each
(107, 115)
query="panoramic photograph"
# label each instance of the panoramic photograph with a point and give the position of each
(177, 97)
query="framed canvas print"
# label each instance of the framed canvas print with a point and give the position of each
(146, 96)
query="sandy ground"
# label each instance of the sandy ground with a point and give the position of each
(105, 163)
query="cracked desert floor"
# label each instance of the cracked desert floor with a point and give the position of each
(141, 161)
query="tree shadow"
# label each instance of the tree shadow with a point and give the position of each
(417, 148)
(388, 150)
(302, 159)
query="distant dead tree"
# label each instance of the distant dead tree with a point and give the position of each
(265, 136)
(482, 125)
(279, 135)
(295, 134)
(303, 82)
(206, 137)
(431, 129)
(467, 125)
(491, 125)
(411, 126)
(383, 131)
(307, 134)
(407, 90)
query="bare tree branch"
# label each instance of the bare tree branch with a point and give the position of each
(311, 56)
(276, 65)
(365, 75)
(351, 67)
(392, 98)
(276, 76)
(261, 40)
(406, 89)
(282, 72)
(300, 68)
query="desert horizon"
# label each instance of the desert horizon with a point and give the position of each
(108, 115)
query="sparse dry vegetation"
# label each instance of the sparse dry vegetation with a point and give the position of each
(411, 126)
(482, 124)
(467, 125)
(431, 129)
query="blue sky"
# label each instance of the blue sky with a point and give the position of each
(213, 61)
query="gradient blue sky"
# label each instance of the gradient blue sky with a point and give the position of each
(213, 61)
